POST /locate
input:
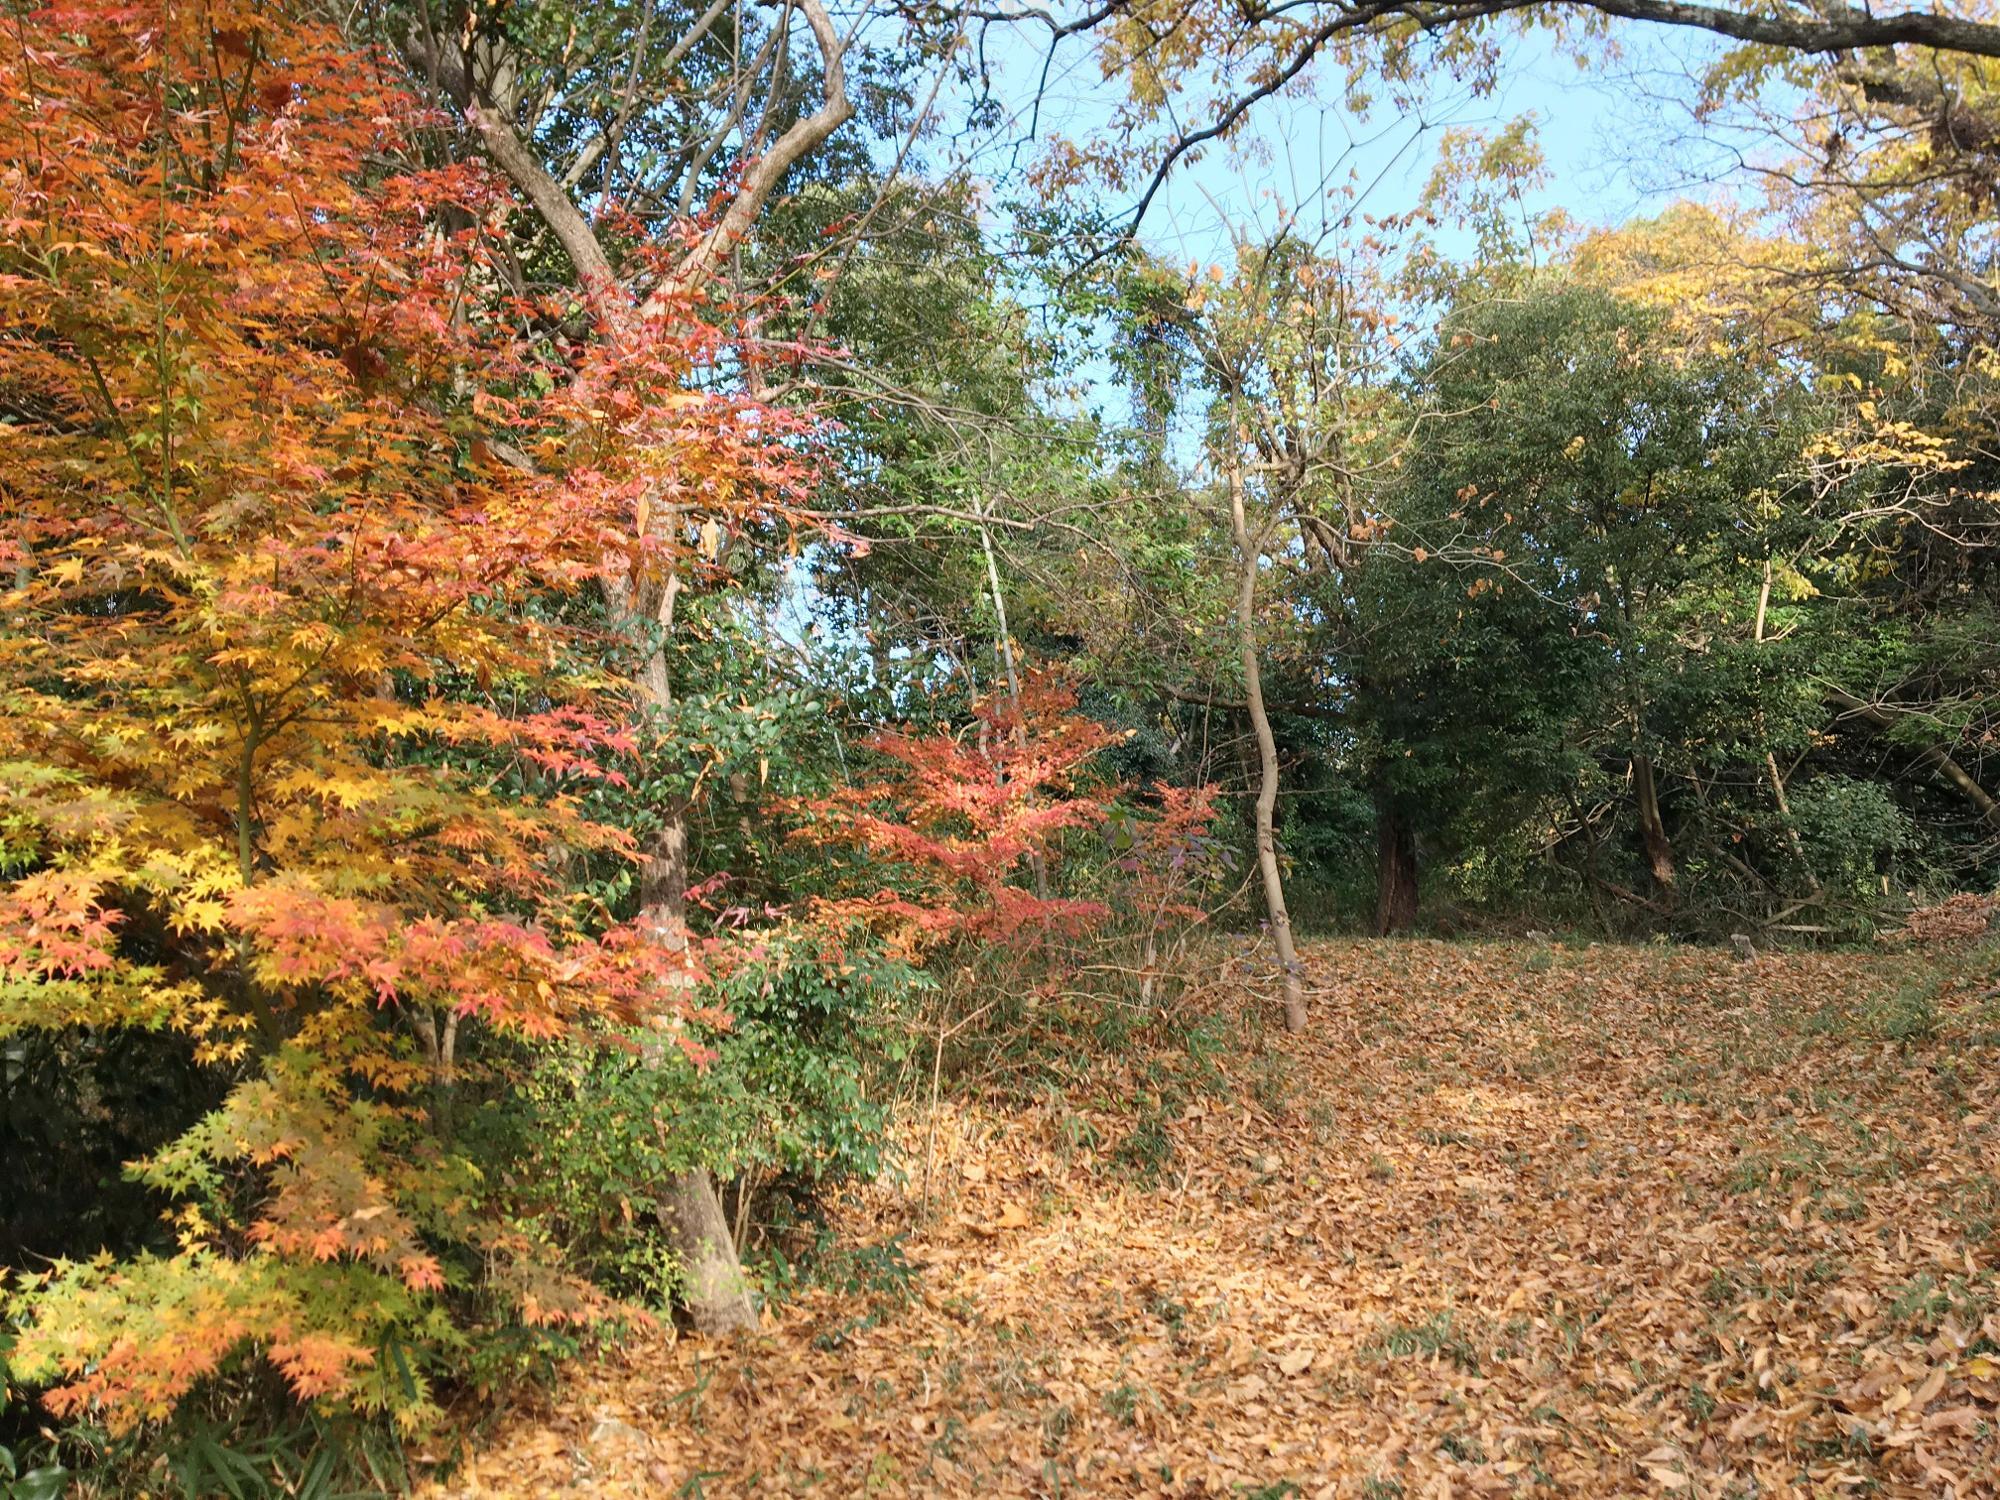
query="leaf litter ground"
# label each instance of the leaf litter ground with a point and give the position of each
(1506, 1219)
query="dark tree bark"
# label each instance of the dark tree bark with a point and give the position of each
(1652, 831)
(1395, 869)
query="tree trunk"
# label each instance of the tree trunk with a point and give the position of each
(1267, 750)
(718, 1297)
(1036, 863)
(1395, 869)
(1771, 758)
(1659, 849)
(715, 1289)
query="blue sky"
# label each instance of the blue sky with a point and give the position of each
(1616, 140)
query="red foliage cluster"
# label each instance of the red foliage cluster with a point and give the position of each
(945, 843)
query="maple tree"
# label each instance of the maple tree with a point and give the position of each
(629, 280)
(963, 851)
(291, 756)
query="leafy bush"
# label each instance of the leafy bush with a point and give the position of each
(42, 1482)
(599, 1127)
(1852, 832)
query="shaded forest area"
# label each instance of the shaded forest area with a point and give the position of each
(709, 777)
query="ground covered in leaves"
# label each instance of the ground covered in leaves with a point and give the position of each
(1506, 1219)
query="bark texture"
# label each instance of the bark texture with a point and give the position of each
(1652, 831)
(718, 1296)
(1395, 870)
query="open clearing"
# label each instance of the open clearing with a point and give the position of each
(1583, 1221)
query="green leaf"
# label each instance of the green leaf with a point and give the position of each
(45, 1483)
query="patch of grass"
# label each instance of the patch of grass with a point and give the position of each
(883, 1473)
(1122, 1402)
(1856, 1444)
(878, 1270)
(1207, 1042)
(1749, 1175)
(1271, 1078)
(1325, 1122)
(1463, 1446)
(1976, 1209)
(880, 1276)
(1169, 1312)
(1074, 1133)
(1798, 1158)
(1924, 1306)
(1437, 1337)
(1147, 1150)
(1542, 1060)
(1056, 1423)
(1722, 1288)
(1920, 1304)
(1909, 1017)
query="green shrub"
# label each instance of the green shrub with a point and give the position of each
(788, 1104)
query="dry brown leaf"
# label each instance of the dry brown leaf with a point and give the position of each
(1539, 1235)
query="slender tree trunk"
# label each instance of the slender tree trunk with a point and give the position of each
(1771, 758)
(1645, 789)
(1659, 848)
(1267, 750)
(1035, 861)
(1395, 869)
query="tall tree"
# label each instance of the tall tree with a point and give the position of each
(480, 64)
(1251, 549)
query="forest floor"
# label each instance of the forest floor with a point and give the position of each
(1505, 1219)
